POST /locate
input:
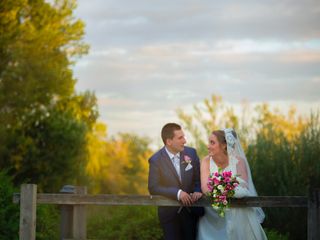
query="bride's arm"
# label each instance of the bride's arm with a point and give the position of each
(242, 189)
(204, 173)
(242, 170)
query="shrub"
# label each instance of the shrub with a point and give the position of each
(9, 212)
(123, 222)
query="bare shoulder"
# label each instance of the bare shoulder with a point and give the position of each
(205, 160)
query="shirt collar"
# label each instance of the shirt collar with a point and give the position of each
(171, 155)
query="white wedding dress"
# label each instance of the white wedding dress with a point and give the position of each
(238, 223)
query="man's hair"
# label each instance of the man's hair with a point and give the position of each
(167, 131)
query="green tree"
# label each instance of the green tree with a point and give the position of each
(282, 149)
(37, 44)
(43, 122)
(210, 115)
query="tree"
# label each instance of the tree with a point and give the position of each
(212, 114)
(282, 150)
(117, 165)
(37, 46)
(43, 122)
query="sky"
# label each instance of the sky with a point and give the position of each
(149, 58)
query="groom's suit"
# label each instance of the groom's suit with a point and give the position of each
(164, 181)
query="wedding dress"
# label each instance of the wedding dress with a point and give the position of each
(238, 223)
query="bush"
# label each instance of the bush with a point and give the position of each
(123, 222)
(292, 167)
(274, 235)
(48, 222)
(9, 212)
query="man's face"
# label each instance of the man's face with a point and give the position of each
(176, 144)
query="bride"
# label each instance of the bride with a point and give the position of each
(225, 152)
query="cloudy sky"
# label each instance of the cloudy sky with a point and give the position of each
(148, 58)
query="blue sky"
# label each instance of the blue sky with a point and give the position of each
(148, 58)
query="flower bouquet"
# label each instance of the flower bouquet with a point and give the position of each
(221, 187)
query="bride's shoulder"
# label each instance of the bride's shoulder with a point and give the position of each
(205, 160)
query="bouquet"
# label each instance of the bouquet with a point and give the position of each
(221, 187)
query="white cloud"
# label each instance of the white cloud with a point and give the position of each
(150, 57)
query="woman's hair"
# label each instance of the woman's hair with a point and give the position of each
(221, 136)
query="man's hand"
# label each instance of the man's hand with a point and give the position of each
(195, 196)
(186, 199)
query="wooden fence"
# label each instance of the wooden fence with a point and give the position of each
(73, 201)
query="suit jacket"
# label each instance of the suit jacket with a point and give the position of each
(164, 180)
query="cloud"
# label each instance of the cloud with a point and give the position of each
(148, 58)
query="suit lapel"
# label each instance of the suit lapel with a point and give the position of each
(182, 166)
(169, 164)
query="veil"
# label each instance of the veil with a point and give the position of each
(238, 161)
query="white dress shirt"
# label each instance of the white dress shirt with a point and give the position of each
(175, 159)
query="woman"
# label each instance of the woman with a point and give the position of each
(225, 152)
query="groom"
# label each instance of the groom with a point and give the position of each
(174, 173)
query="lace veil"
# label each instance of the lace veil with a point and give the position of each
(238, 161)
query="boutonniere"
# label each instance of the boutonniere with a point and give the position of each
(187, 159)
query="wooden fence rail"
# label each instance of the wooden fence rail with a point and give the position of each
(73, 211)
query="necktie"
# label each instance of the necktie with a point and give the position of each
(176, 163)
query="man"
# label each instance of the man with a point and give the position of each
(174, 173)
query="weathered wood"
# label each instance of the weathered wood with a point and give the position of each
(79, 217)
(77, 202)
(73, 217)
(146, 200)
(28, 208)
(314, 215)
(66, 222)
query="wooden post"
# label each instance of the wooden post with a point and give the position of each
(73, 217)
(28, 206)
(314, 215)
(80, 217)
(66, 223)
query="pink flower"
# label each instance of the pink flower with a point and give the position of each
(221, 186)
(187, 159)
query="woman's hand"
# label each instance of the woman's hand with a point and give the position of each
(195, 196)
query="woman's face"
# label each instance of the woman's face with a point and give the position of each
(214, 147)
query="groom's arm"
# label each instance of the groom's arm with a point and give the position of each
(154, 182)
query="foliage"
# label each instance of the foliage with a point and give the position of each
(47, 216)
(283, 150)
(36, 42)
(47, 222)
(117, 165)
(123, 222)
(293, 167)
(9, 212)
(210, 115)
(274, 235)
(46, 152)
(43, 122)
